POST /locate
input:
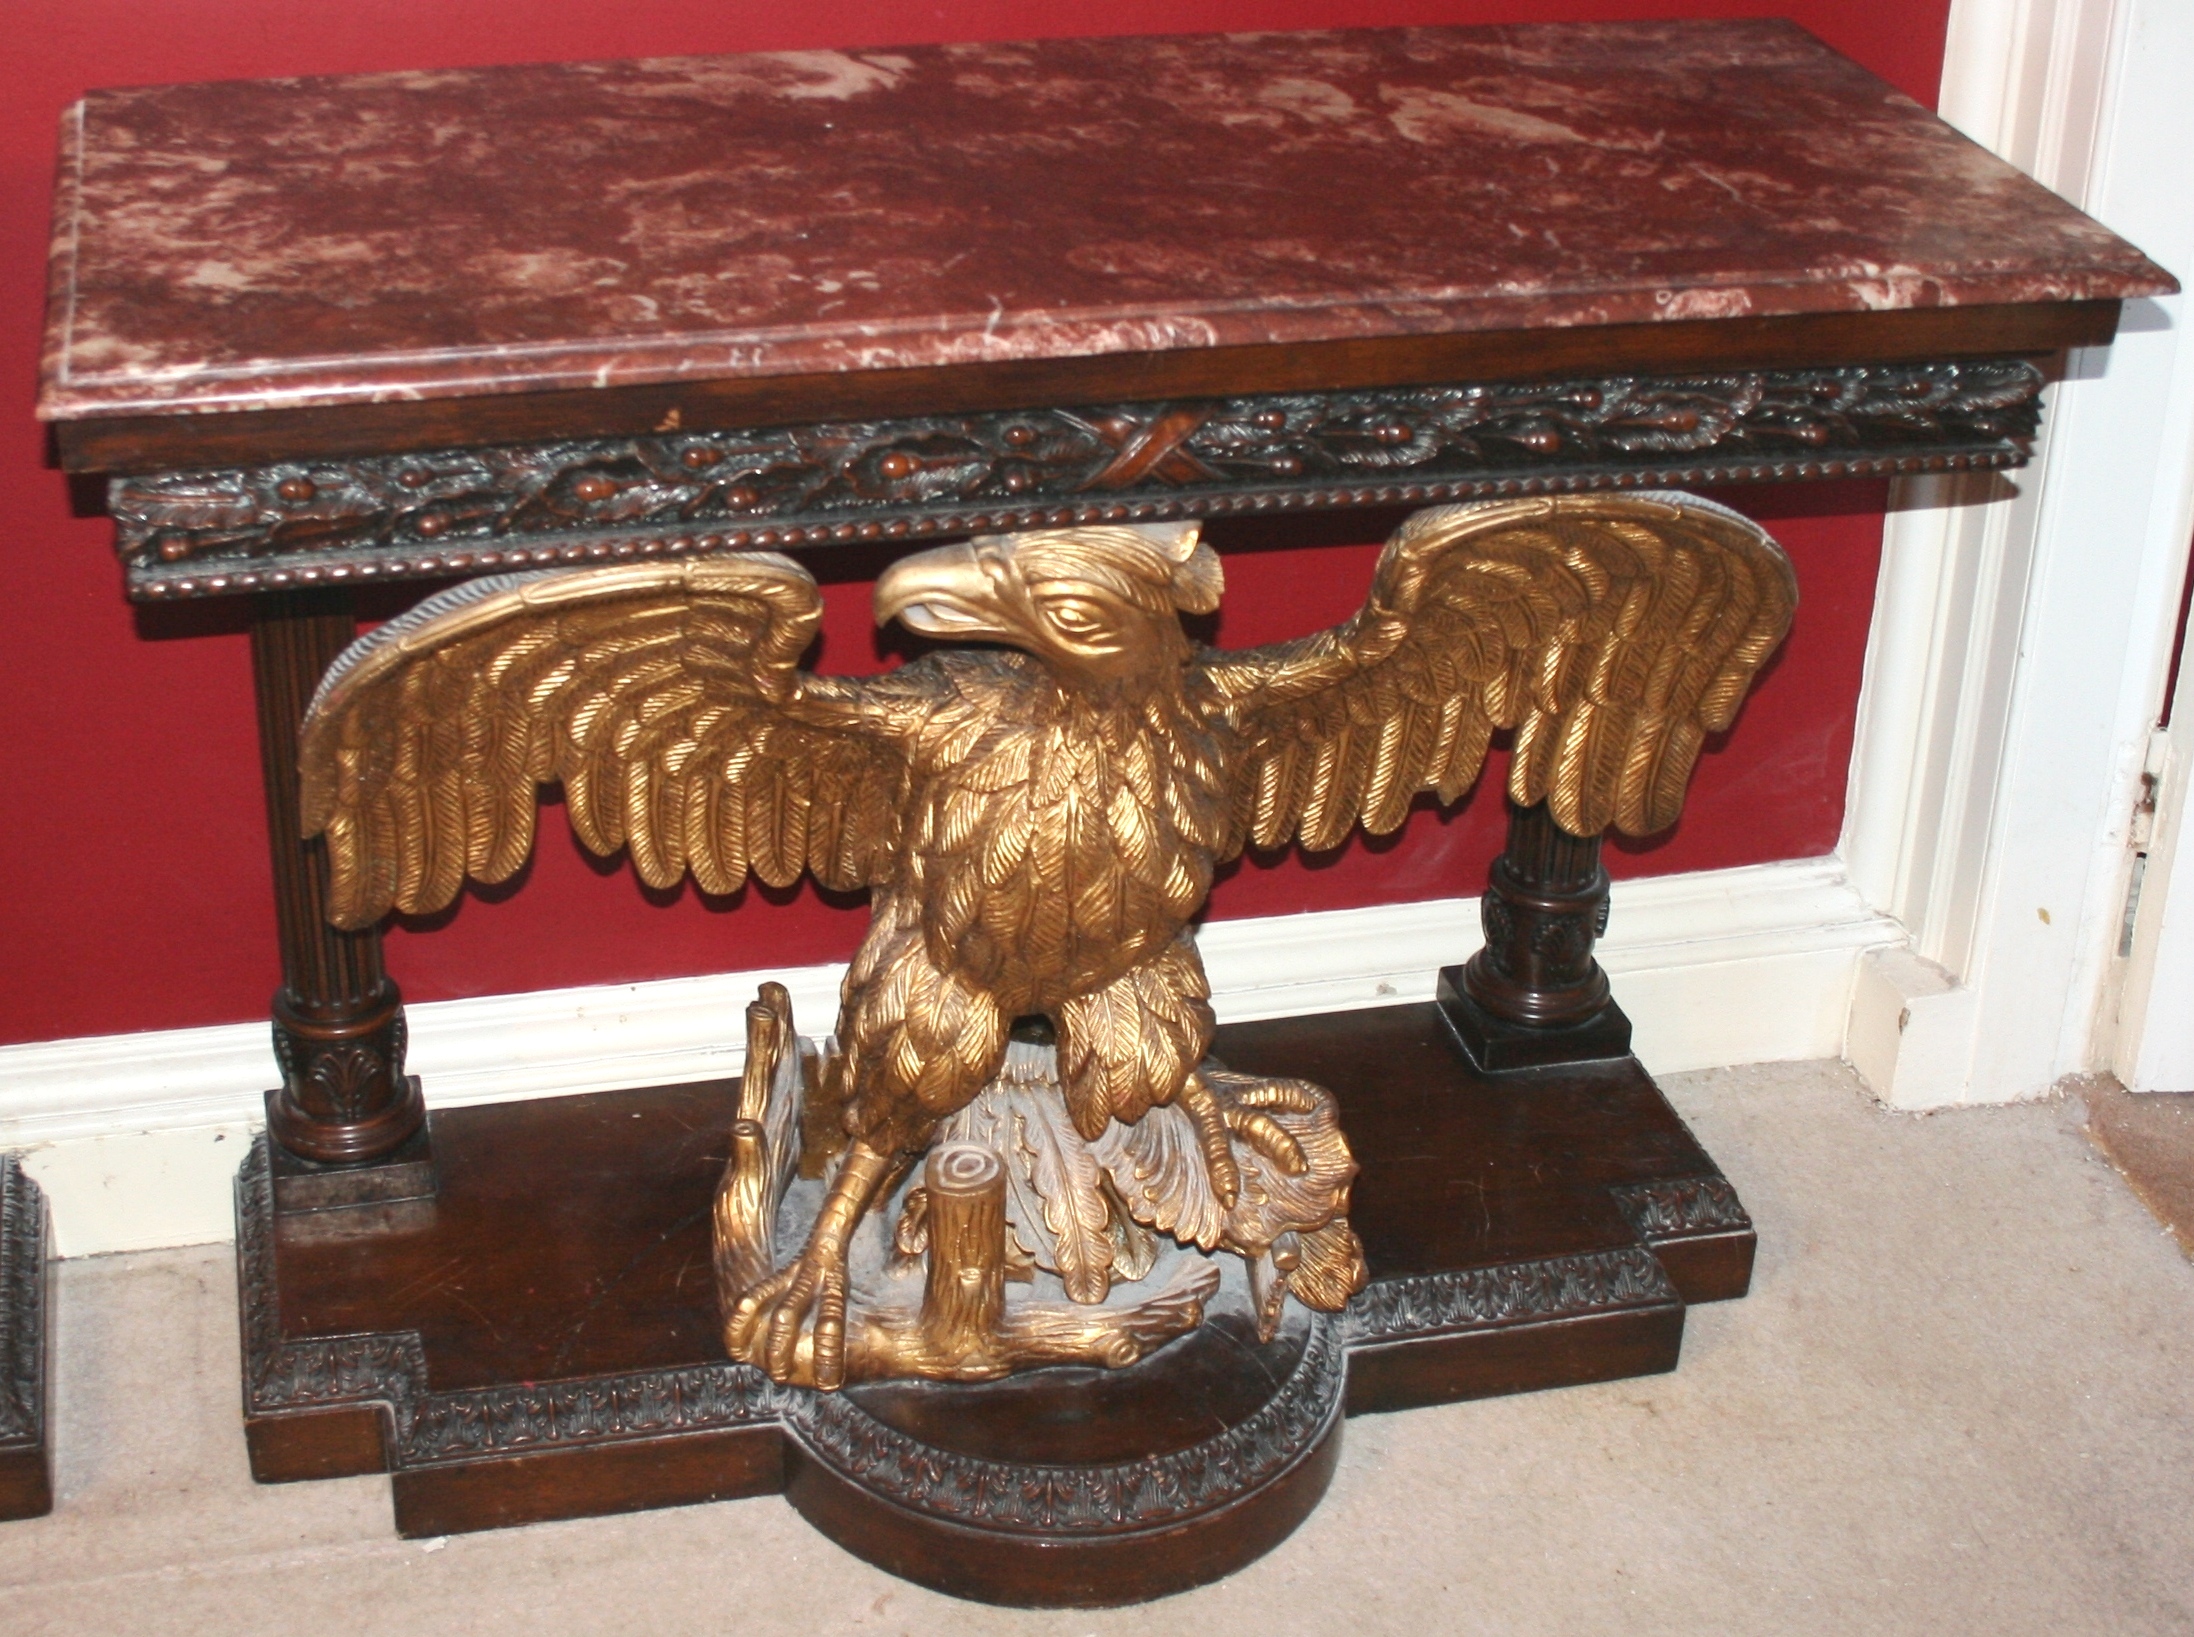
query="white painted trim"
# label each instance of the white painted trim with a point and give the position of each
(1929, 741)
(2152, 1042)
(135, 1136)
(2019, 644)
(2153, 1049)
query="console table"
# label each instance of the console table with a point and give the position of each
(327, 333)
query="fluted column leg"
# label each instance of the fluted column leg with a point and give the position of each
(345, 1099)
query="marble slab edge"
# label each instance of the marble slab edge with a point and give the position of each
(539, 227)
(197, 440)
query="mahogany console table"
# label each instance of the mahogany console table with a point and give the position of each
(326, 333)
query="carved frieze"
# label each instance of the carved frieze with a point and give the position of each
(467, 511)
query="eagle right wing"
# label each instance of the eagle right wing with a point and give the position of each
(1613, 633)
(666, 696)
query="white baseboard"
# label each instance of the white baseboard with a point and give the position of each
(134, 1137)
(1911, 1032)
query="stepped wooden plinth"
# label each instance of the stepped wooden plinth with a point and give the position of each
(541, 1339)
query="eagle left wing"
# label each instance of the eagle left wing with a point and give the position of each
(1612, 632)
(666, 696)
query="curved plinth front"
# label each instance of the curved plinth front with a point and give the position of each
(1079, 1487)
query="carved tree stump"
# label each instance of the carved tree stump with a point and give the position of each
(964, 1301)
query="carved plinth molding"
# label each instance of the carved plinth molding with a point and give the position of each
(22, 1304)
(1100, 1498)
(568, 501)
(1483, 1298)
(425, 1428)
(1682, 1207)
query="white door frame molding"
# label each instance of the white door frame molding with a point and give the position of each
(2153, 1037)
(2023, 626)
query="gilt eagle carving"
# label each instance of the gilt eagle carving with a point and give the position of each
(1037, 820)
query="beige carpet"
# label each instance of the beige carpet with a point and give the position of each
(1955, 1402)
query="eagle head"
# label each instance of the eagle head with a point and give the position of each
(1100, 605)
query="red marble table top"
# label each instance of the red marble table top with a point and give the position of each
(285, 243)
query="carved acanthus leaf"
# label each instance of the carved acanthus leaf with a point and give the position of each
(1682, 1207)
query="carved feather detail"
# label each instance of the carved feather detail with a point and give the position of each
(1612, 633)
(1075, 1209)
(667, 699)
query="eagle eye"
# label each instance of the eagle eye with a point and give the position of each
(1078, 617)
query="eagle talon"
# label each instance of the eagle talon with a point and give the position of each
(1222, 1111)
(1211, 1122)
(1288, 1096)
(1270, 1138)
(767, 1325)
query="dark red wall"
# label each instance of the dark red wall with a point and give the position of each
(137, 893)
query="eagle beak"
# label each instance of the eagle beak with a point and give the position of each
(947, 592)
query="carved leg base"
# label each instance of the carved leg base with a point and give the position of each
(1494, 1044)
(1534, 997)
(405, 1173)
